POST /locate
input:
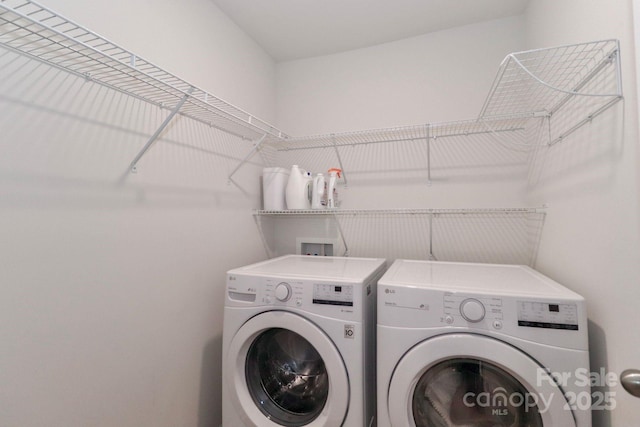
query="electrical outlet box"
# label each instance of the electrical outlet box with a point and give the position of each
(314, 246)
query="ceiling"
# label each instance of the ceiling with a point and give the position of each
(296, 29)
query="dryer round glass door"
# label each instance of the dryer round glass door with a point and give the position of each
(460, 392)
(285, 371)
(468, 379)
(287, 377)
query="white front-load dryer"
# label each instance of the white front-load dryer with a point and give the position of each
(463, 344)
(299, 342)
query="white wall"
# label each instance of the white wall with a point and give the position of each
(112, 283)
(437, 77)
(590, 182)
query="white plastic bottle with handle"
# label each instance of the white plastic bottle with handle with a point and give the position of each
(318, 197)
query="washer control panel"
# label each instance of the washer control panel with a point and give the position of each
(333, 294)
(338, 299)
(283, 291)
(548, 315)
(472, 309)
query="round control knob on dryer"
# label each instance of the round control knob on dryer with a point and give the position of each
(283, 292)
(472, 310)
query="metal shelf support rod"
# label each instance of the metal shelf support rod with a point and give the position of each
(427, 127)
(157, 133)
(432, 257)
(585, 121)
(335, 147)
(344, 241)
(255, 148)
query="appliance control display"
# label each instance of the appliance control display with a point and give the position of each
(283, 291)
(471, 308)
(548, 315)
(332, 294)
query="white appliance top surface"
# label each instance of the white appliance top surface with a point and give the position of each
(488, 278)
(304, 266)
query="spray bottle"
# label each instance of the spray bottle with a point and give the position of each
(332, 192)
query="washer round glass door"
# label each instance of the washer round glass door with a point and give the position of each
(286, 377)
(287, 372)
(467, 379)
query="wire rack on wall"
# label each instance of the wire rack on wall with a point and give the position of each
(579, 80)
(418, 148)
(37, 32)
(565, 87)
(497, 235)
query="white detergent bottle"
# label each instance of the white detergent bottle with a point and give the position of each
(332, 192)
(297, 191)
(318, 197)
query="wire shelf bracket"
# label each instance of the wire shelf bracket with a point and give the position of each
(250, 154)
(156, 134)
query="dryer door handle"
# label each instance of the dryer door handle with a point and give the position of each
(630, 380)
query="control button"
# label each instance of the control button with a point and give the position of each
(448, 319)
(472, 310)
(497, 324)
(283, 292)
(268, 300)
(299, 302)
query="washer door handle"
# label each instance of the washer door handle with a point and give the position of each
(630, 380)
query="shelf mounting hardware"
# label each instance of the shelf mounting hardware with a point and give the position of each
(176, 109)
(335, 147)
(344, 241)
(255, 148)
(432, 257)
(428, 138)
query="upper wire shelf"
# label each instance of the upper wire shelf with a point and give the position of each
(40, 33)
(581, 78)
(457, 211)
(540, 82)
(401, 134)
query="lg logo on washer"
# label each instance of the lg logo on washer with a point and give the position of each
(394, 298)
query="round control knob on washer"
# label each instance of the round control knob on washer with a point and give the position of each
(472, 310)
(283, 292)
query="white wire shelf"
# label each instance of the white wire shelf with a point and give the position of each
(400, 134)
(541, 82)
(37, 32)
(415, 147)
(374, 212)
(580, 81)
(495, 235)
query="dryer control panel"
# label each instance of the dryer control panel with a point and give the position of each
(329, 298)
(333, 294)
(472, 309)
(548, 315)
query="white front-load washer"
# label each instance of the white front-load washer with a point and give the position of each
(299, 342)
(463, 344)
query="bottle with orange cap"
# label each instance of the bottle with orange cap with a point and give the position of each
(332, 192)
